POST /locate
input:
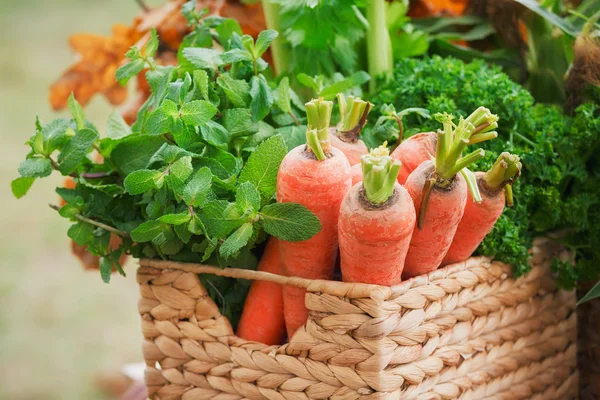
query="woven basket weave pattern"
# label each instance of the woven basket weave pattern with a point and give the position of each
(466, 331)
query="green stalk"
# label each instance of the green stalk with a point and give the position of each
(471, 180)
(380, 172)
(508, 194)
(318, 113)
(353, 117)
(379, 45)
(278, 49)
(505, 171)
(483, 137)
(464, 162)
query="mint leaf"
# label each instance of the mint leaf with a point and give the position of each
(238, 122)
(152, 45)
(294, 136)
(75, 150)
(283, 95)
(182, 168)
(262, 99)
(52, 135)
(247, 197)
(236, 55)
(196, 226)
(236, 241)
(116, 127)
(68, 211)
(215, 134)
(135, 152)
(356, 79)
(76, 111)
(203, 58)
(197, 112)
(194, 193)
(176, 219)
(35, 168)
(183, 233)
(21, 186)
(263, 165)
(289, 221)
(127, 71)
(105, 269)
(141, 181)
(226, 30)
(235, 90)
(200, 79)
(81, 233)
(264, 41)
(160, 120)
(309, 81)
(220, 218)
(147, 231)
(159, 79)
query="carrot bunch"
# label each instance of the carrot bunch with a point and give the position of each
(439, 190)
(316, 175)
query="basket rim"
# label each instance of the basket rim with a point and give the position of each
(346, 289)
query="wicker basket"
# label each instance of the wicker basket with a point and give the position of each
(466, 331)
(588, 315)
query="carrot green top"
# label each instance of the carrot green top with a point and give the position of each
(380, 172)
(353, 116)
(503, 173)
(318, 113)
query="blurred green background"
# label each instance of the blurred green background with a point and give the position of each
(59, 325)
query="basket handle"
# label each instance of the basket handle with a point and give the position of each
(342, 289)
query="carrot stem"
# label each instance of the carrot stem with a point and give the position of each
(508, 193)
(482, 137)
(353, 117)
(380, 172)
(318, 113)
(464, 162)
(471, 180)
(505, 170)
(427, 188)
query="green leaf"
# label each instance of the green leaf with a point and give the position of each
(220, 218)
(264, 41)
(106, 268)
(226, 29)
(236, 55)
(203, 58)
(76, 112)
(236, 241)
(135, 152)
(194, 193)
(238, 122)
(183, 233)
(215, 134)
(294, 136)
(283, 95)
(196, 226)
(152, 45)
(289, 221)
(262, 166)
(182, 168)
(592, 294)
(127, 71)
(197, 112)
(356, 79)
(81, 233)
(35, 168)
(176, 219)
(561, 23)
(262, 99)
(68, 211)
(237, 91)
(160, 120)
(116, 127)
(147, 231)
(247, 197)
(309, 81)
(76, 150)
(141, 181)
(21, 186)
(52, 136)
(200, 79)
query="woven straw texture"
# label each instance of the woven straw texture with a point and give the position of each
(588, 315)
(466, 331)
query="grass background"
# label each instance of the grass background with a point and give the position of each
(59, 325)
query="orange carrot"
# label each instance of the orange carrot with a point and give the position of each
(377, 218)
(262, 317)
(479, 218)
(353, 114)
(422, 146)
(316, 176)
(357, 175)
(440, 195)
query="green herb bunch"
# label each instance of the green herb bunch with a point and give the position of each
(193, 179)
(559, 190)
